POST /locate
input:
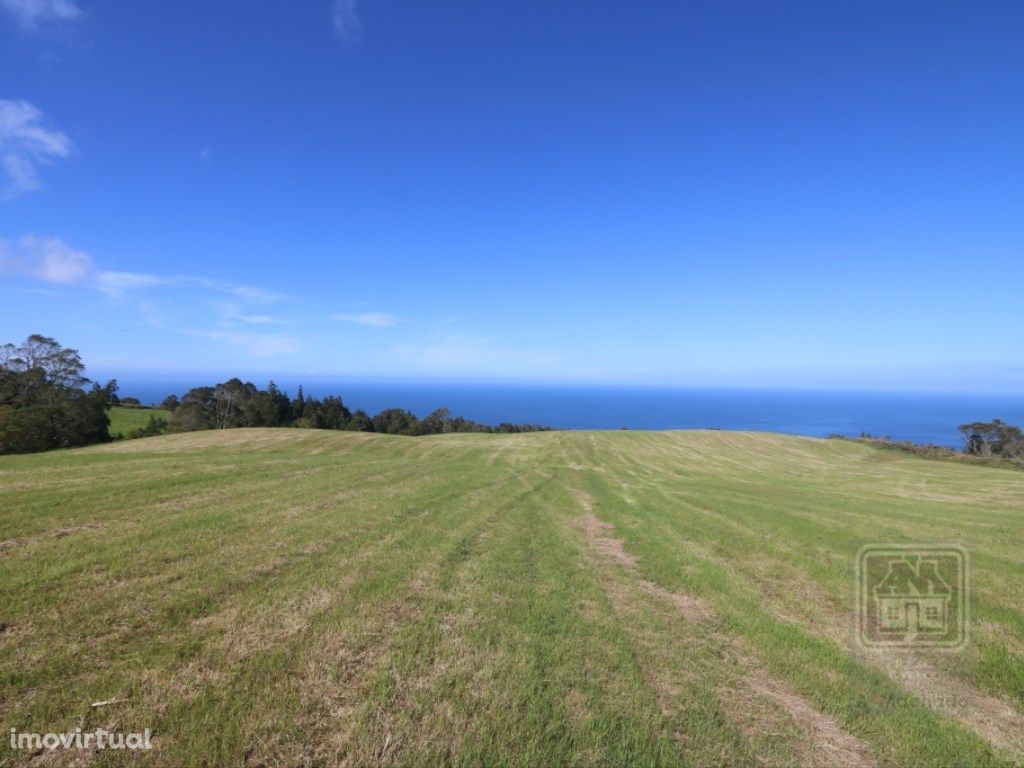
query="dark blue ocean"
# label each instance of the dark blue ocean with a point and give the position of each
(923, 418)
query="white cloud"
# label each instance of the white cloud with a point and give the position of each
(228, 314)
(233, 314)
(25, 144)
(256, 344)
(346, 21)
(373, 319)
(469, 354)
(118, 283)
(45, 258)
(243, 292)
(248, 344)
(31, 13)
(190, 321)
(196, 306)
(258, 319)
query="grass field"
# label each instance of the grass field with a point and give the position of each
(292, 597)
(124, 420)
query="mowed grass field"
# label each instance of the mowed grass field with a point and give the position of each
(292, 597)
(124, 420)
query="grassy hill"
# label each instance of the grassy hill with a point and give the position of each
(124, 420)
(289, 597)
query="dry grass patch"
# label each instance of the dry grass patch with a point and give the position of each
(825, 743)
(831, 746)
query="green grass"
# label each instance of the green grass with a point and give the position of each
(124, 420)
(293, 597)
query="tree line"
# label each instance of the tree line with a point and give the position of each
(46, 402)
(235, 403)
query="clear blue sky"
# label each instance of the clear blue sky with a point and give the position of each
(760, 193)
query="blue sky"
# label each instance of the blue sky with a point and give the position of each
(720, 192)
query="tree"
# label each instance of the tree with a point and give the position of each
(331, 413)
(42, 403)
(437, 422)
(993, 438)
(195, 412)
(272, 407)
(395, 421)
(227, 401)
(61, 367)
(360, 422)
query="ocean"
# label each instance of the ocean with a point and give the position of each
(922, 418)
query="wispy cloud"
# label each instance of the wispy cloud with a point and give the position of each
(237, 315)
(229, 314)
(252, 344)
(45, 258)
(225, 313)
(346, 21)
(469, 354)
(373, 319)
(237, 321)
(30, 14)
(26, 143)
(256, 344)
(52, 260)
(119, 283)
